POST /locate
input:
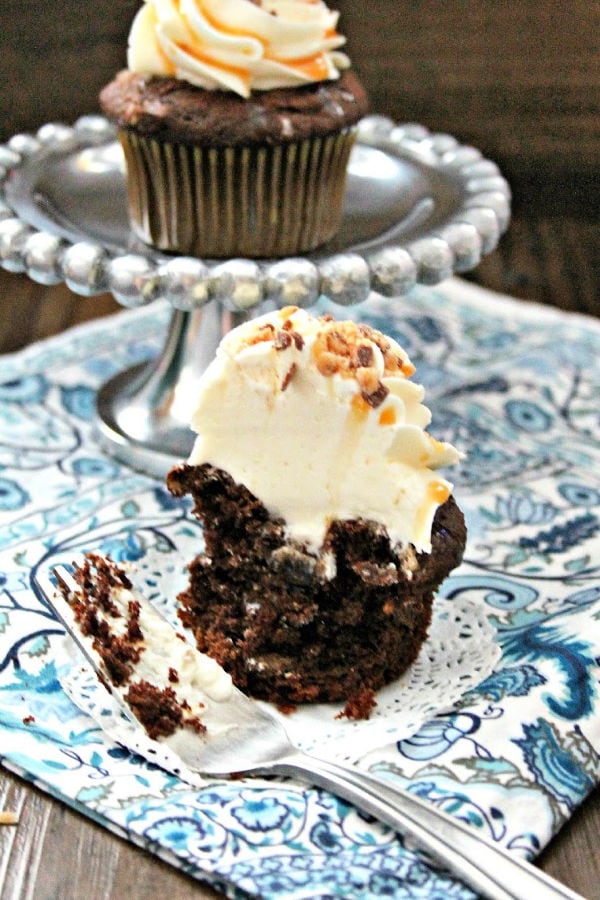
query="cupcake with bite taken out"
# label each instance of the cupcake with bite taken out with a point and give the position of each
(237, 121)
(327, 524)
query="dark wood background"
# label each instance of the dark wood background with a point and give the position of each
(520, 79)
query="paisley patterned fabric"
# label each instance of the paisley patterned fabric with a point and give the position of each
(517, 387)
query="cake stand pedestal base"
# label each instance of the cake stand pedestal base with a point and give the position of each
(143, 413)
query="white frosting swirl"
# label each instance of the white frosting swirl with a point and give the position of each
(237, 45)
(320, 421)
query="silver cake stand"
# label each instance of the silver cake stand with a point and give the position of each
(419, 207)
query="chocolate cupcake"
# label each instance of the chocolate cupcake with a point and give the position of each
(237, 121)
(327, 529)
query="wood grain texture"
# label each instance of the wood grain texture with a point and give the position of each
(520, 79)
(29, 312)
(53, 853)
(552, 260)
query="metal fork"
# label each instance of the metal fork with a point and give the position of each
(255, 743)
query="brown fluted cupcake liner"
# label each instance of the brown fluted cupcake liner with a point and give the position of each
(256, 201)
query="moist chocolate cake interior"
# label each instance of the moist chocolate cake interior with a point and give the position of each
(292, 627)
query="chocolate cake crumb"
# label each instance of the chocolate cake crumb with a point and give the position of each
(359, 706)
(159, 711)
(97, 578)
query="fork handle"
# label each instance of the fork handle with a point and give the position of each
(478, 862)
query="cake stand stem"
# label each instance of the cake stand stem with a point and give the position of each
(143, 412)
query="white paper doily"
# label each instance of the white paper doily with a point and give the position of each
(458, 654)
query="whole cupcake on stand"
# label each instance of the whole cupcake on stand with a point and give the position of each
(237, 120)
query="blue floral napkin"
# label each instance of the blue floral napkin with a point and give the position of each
(515, 385)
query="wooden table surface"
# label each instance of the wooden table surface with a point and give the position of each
(54, 852)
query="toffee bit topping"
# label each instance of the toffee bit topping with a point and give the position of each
(298, 340)
(350, 350)
(282, 341)
(264, 333)
(173, 675)
(376, 398)
(368, 381)
(365, 355)
(288, 376)
(328, 363)
(288, 326)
